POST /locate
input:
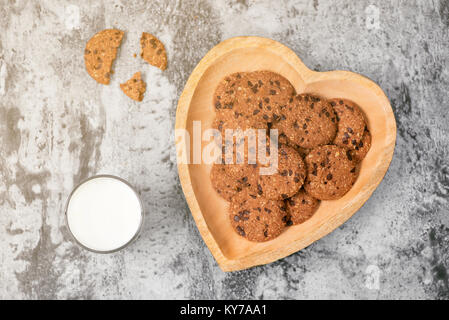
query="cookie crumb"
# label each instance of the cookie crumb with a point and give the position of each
(135, 87)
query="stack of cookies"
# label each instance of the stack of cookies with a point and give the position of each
(320, 144)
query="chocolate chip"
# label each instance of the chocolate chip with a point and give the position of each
(250, 83)
(236, 218)
(272, 92)
(329, 176)
(350, 130)
(265, 233)
(352, 170)
(267, 210)
(241, 231)
(284, 196)
(348, 154)
(349, 108)
(256, 112)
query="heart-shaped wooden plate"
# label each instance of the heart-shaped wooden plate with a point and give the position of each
(231, 251)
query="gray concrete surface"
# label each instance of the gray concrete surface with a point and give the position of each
(57, 126)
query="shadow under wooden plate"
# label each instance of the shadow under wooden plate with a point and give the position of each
(231, 251)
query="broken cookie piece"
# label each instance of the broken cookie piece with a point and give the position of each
(153, 51)
(100, 53)
(134, 87)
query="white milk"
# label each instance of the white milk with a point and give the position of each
(104, 213)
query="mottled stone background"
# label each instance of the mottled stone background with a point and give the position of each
(57, 126)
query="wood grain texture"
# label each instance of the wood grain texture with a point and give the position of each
(209, 210)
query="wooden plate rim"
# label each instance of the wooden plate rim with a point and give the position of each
(309, 76)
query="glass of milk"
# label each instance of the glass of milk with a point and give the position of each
(104, 214)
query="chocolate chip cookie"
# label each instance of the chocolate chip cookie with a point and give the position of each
(266, 94)
(331, 172)
(256, 218)
(258, 95)
(227, 95)
(351, 123)
(287, 180)
(227, 185)
(301, 207)
(100, 53)
(153, 51)
(308, 121)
